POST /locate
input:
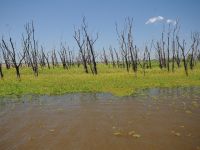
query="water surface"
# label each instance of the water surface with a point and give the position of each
(155, 119)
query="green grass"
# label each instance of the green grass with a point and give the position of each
(115, 81)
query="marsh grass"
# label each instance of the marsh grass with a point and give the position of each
(113, 80)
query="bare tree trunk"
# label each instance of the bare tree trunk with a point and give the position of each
(105, 59)
(1, 72)
(117, 57)
(112, 57)
(77, 37)
(31, 47)
(168, 45)
(149, 60)
(144, 63)
(173, 54)
(196, 39)
(12, 55)
(163, 52)
(90, 42)
(183, 54)
(17, 71)
(63, 57)
(178, 60)
(159, 51)
(6, 58)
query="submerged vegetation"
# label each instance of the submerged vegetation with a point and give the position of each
(120, 71)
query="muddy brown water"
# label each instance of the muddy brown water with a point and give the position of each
(155, 119)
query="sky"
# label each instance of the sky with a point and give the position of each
(55, 19)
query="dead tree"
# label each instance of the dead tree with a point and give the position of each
(78, 59)
(123, 45)
(81, 44)
(130, 42)
(31, 47)
(198, 55)
(112, 57)
(182, 47)
(90, 46)
(132, 50)
(159, 52)
(147, 57)
(168, 46)
(117, 57)
(5, 57)
(125, 51)
(44, 58)
(177, 58)
(71, 57)
(163, 58)
(195, 39)
(1, 71)
(63, 56)
(41, 58)
(54, 59)
(89, 59)
(12, 54)
(105, 59)
(47, 60)
(135, 60)
(129, 52)
(174, 47)
(144, 60)
(122, 58)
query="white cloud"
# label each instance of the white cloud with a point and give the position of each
(154, 19)
(159, 19)
(170, 21)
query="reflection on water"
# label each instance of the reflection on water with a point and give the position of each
(152, 119)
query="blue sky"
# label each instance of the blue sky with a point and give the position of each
(54, 20)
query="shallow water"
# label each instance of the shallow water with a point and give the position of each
(155, 119)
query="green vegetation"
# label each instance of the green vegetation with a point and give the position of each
(113, 80)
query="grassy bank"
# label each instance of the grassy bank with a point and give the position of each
(115, 81)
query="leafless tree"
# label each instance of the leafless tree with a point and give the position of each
(144, 60)
(168, 46)
(5, 57)
(162, 53)
(12, 54)
(174, 47)
(112, 57)
(1, 71)
(44, 58)
(80, 40)
(31, 47)
(123, 39)
(71, 58)
(117, 57)
(90, 45)
(129, 51)
(41, 58)
(63, 56)
(147, 57)
(159, 52)
(182, 47)
(195, 43)
(104, 57)
(78, 59)
(54, 59)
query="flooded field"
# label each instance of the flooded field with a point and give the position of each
(155, 119)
